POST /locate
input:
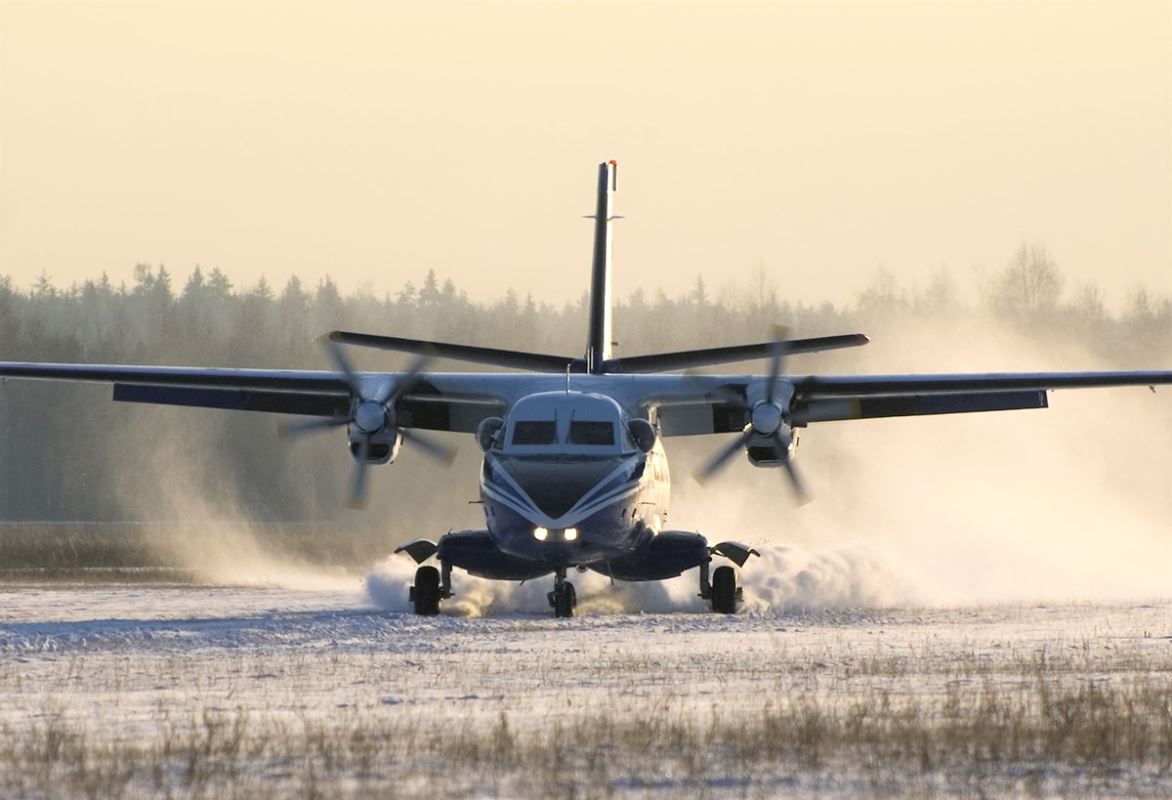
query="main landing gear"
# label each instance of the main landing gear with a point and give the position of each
(430, 588)
(562, 599)
(722, 592)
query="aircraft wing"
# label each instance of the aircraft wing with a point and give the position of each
(827, 398)
(306, 392)
(685, 404)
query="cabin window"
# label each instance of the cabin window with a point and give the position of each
(534, 432)
(585, 432)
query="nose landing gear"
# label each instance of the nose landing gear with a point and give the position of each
(722, 592)
(430, 588)
(562, 599)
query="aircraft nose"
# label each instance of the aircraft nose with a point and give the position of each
(556, 488)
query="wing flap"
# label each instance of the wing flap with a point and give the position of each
(459, 415)
(692, 419)
(916, 405)
(818, 387)
(455, 414)
(321, 405)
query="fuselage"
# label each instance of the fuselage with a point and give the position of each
(566, 483)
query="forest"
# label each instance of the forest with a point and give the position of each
(68, 453)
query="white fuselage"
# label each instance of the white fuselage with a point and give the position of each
(565, 483)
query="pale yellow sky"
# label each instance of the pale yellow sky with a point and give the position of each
(372, 141)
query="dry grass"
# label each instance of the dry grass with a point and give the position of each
(934, 722)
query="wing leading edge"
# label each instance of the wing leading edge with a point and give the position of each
(264, 379)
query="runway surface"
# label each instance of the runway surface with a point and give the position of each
(201, 690)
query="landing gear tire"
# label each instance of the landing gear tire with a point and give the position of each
(425, 594)
(563, 599)
(724, 590)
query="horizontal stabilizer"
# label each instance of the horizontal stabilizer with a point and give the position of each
(512, 359)
(686, 359)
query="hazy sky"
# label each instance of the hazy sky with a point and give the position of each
(374, 141)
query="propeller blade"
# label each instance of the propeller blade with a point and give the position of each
(721, 458)
(436, 449)
(779, 350)
(392, 390)
(409, 381)
(781, 448)
(287, 429)
(359, 481)
(801, 495)
(338, 356)
(384, 391)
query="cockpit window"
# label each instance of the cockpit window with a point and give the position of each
(534, 432)
(585, 432)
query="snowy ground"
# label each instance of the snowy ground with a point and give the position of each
(109, 689)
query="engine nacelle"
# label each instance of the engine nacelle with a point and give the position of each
(762, 451)
(381, 447)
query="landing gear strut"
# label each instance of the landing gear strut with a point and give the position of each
(722, 592)
(562, 599)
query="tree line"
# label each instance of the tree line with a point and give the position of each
(65, 450)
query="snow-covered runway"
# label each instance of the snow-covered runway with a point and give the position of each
(199, 689)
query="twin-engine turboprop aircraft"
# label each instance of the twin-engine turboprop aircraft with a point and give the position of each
(574, 472)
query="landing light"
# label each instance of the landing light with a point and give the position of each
(571, 534)
(540, 533)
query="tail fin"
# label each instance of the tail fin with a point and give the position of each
(599, 338)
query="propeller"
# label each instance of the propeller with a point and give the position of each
(767, 420)
(371, 413)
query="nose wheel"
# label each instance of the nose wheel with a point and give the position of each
(722, 592)
(429, 588)
(563, 599)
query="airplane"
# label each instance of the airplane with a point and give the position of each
(574, 473)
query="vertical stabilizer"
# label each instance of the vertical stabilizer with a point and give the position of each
(599, 339)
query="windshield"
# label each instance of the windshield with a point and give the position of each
(534, 432)
(565, 422)
(585, 432)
